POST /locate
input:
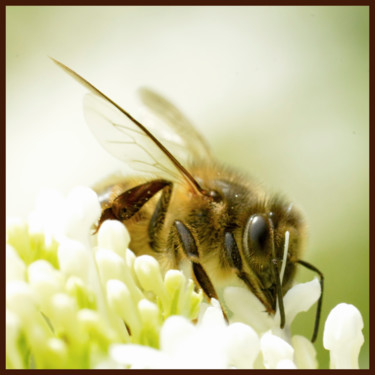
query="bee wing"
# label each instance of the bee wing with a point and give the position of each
(127, 139)
(173, 128)
(123, 139)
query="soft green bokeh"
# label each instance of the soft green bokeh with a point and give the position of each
(280, 92)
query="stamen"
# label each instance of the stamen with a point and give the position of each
(283, 264)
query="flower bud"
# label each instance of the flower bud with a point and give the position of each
(15, 267)
(274, 350)
(81, 210)
(123, 304)
(21, 300)
(343, 336)
(45, 281)
(113, 235)
(74, 259)
(148, 273)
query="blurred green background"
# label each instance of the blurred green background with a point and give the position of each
(280, 92)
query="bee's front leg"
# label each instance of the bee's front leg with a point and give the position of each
(127, 204)
(190, 249)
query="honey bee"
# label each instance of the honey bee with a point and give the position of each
(182, 206)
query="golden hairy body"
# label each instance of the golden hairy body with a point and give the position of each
(208, 221)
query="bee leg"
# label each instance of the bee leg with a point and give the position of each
(235, 262)
(190, 249)
(131, 201)
(158, 217)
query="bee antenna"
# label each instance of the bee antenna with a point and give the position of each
(283, 264)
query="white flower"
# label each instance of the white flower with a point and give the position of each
(276, 352)
(277, 345)
(69, 297)
(74, 300)
(209, 344)
(247, 308)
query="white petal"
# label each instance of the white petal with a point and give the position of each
(286, 364)
(193, 347)
(247, 308)
(149, 275)
(21, 300)
(242, 345)
(343, 336)
(304, 353)
(113, 266)
(274, 350)
(138, 356)
(113, 235)
(213, 317)
(57, 351)
(149, 313)
(64, 314)
(174, 331)
(110, 264)
(107, 363)
(15, 266)
(174, 281)
(47, 218)
(81, 210)
(74, 259)
(130, 258)
(300, 298)
(13, 329)
(123, 304)
(89, 319)
(45, 281)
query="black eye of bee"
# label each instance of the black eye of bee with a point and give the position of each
(258, 234)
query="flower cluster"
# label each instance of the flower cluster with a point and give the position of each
(74, 300)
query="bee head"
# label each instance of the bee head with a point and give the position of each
(271, 244)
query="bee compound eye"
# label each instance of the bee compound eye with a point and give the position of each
(258, 234)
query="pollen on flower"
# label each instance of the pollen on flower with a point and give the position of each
(77, 300)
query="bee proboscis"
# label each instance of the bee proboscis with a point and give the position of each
(183, 206)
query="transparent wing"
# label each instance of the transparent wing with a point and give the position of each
(129, 140)
(173, 128)
(124, 140)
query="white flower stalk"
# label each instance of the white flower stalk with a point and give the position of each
(77, 300)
